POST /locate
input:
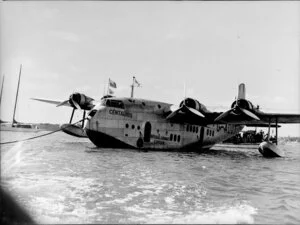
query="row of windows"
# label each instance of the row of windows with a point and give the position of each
(195, 129)
(210, 132)
(191, 128)
(174, 137)
(132, 126)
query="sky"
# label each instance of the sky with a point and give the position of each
(210, 47)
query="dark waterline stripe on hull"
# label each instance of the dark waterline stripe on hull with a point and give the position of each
(105, 141)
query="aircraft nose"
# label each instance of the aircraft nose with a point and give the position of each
(94, 111)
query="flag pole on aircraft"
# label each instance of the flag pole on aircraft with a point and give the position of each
(134, 81)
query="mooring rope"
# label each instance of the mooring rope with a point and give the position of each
(52, 132)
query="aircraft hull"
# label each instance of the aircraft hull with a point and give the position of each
(103, 140)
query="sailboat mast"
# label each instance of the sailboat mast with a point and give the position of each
(1, 89)
(14, 121)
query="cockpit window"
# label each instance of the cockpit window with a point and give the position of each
(114, 103)
(93, 112)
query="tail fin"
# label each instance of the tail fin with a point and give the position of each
(242, 91)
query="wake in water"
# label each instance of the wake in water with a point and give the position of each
(240, 214)
(11, 158)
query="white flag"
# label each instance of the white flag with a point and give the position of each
(137, 83)
(111, 92)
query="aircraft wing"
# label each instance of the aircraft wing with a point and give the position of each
(57, 103)
(280, 118)
(264, 119)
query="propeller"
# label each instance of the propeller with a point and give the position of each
(77, 106)
(194, 111)
(240, 106)
(250, 114)
(73, 100)
(183, 109)
(237, 111)
(223, 115)
(62, 103)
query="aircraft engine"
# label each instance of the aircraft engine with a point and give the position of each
(194, 104)
(242, 103)
(240, 107)
(81, 101)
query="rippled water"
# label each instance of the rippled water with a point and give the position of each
(62, 179)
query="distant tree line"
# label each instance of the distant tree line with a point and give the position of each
(289, 139)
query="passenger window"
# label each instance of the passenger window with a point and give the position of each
(175, 137)
(207, 132)
(171, 137)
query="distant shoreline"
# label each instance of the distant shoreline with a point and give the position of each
(40, 126)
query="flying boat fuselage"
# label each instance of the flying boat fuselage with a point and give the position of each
(139, 123)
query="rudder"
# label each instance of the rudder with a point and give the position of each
(242, 91)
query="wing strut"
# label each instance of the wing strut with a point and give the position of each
(276, 131)
(269, 130)
(72, 115)
(83, 119)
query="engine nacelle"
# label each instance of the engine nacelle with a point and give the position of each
(242, 103)
(81, 100)
(193, 103)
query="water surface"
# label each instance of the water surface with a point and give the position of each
(63, 179)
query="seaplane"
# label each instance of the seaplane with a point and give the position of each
(128, 122)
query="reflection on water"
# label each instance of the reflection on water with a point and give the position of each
(62, 179)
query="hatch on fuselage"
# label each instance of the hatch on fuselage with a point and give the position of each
(147, 132)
